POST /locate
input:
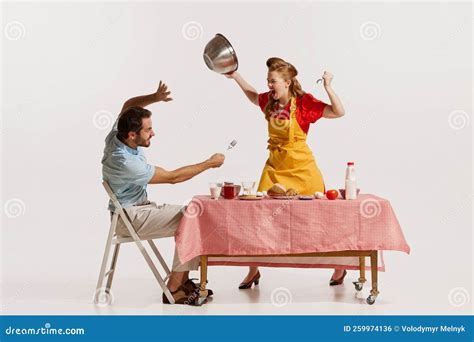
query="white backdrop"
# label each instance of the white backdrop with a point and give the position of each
(403, 72)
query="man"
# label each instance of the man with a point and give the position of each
(125, 168)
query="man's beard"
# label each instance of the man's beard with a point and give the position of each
(144, 143)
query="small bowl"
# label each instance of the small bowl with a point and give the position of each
(343, 192)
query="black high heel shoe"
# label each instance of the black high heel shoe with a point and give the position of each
(255, 279)
(334, 282)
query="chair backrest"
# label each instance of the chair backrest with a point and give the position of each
(112, 196)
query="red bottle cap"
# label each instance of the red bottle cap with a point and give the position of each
(350, 163)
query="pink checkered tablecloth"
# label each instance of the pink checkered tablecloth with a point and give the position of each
(269, 226)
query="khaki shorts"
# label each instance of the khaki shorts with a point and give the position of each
(154, 221)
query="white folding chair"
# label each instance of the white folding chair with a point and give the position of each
(113, 239)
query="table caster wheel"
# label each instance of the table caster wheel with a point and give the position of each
(200, 301)
(358, 285)
(371, 299)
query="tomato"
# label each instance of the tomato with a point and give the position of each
(332, 194)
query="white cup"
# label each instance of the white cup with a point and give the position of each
(215, 190)
(248, 187)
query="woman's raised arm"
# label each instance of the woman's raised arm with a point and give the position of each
(248, 90)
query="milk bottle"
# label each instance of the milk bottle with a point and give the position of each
(351, 184)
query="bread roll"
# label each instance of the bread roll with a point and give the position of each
(291, 192)
(276, 190)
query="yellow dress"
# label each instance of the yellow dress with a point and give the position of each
(291, 161)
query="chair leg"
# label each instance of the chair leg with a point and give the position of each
(155, 271)
(112, 268)
(158, 255)
(145, 254)
(105, 258)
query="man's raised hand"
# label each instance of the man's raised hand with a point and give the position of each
(162, 94)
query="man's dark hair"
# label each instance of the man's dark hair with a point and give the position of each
(131, 121)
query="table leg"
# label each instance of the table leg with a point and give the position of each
(202, 287)
(362, 269)
(374, 272)
(360, 283)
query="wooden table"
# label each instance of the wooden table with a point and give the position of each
(292, 228)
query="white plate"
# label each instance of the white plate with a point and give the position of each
(283, 197)
(250, 198)
(306, 198)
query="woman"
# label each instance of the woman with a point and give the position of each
(289, 112)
